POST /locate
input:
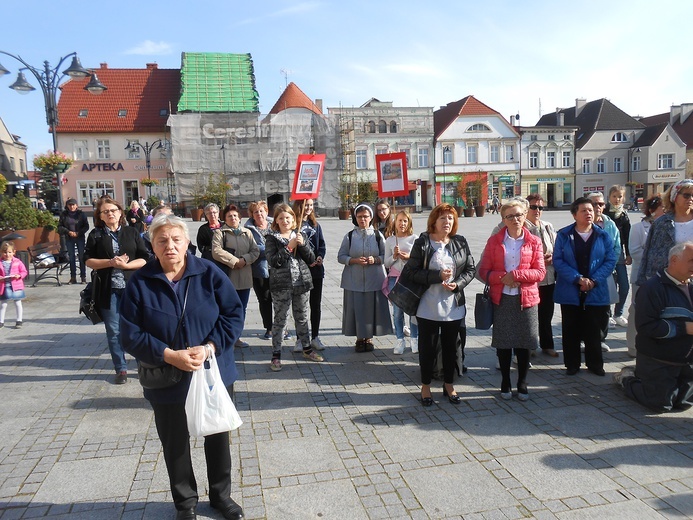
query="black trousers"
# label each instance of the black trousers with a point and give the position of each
(172, 426)
(261, 286)
(315, 307)
(428, 334)
(545, 312)
(660, 386)
(583, 324)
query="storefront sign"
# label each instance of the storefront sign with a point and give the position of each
(103, 167)
(666, 176)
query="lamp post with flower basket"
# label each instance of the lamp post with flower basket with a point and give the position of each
(53, 164)
(147, 148)
(48, 79)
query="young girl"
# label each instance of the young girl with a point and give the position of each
(288, 256)
(383, 217)
(12, 274)
(397, 249)
(313, 232)
(616, 211)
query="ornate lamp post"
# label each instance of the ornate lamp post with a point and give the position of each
(147, 149)
(49, 79)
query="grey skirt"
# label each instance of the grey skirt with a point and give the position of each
(366, 314)
(514, 327)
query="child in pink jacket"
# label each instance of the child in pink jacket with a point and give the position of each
(12, 274)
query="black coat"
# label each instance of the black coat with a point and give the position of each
(81, 228)
(278, 259)
(100, 246)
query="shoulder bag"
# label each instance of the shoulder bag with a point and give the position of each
(87, 300)
(406, 293)
(154, 377)
(483, 310)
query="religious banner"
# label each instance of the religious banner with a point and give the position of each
(308, 176)
(391, 169)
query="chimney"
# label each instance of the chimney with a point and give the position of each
(318, 103)
(579, 105)
(104, 65)
(675, 114)
(512, 120)
(152, 66)
(561, 119)
(686, 109)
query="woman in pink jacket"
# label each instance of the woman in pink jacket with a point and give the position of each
(12, 274)
(512, 264)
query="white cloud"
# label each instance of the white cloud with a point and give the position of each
(148, 47)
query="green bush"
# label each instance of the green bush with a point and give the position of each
(18, 213)
(46, 219)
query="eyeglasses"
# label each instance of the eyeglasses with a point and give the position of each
(536, 208)
(600, 204)
(107, 211)
(686, 196)
(516, 216)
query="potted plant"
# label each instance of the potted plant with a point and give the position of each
(18, 215)
(56, 162)
(47, 230)
(475, 190)
(344, 200)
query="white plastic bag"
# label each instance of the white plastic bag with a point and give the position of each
(208, 405)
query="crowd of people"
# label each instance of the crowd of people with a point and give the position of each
(143, 267)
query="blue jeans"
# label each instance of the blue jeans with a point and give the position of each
(623, 288)
(71, 243)
(111, 319)
(398, 316)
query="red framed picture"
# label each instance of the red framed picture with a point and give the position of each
(391, 169)
(308, 176)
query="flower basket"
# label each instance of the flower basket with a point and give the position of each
(149, 182)
(56, 162)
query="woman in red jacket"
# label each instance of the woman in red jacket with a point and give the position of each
(512, 264)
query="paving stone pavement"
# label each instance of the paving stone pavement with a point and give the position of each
(343, 439)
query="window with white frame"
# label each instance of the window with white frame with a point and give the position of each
(12, 164)
(532, 137)
(601, 165)
(618, 165)
(550, 159)
(362, 159)
(80, 150)
(407, 153)
(509, 152)
(534, 159)
(619, 137)
(567, 137)
(665, 161)
(90, 190)
(22, 169)
(382, 127)
(586, 166)
(478, 127)
(636, 163)
(423, 157)
(103, 149)
(379, 150)
(566, 158)
(552, 137)
(471, 153)
(494, 153)
(447, 155)
(134, 151)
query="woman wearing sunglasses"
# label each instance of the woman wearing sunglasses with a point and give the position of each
(547, 234)
(674, 227)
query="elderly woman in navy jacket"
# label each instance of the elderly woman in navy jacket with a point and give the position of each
(154, 302)
(583, 257)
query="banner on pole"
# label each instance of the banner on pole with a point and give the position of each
(308, 176)
(391, 169)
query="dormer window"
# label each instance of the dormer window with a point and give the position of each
(122, 112)
(478, 127)
(619, 137)
(83, 112)
(163, 112)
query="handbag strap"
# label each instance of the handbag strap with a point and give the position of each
(185, 303)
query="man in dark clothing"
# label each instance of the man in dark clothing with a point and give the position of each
(663, 376)
(73, 227)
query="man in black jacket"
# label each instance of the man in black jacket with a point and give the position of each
(663, 377)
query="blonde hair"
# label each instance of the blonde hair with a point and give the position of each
(7, 246)
(281, 208)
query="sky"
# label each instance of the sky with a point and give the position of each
(522, 58)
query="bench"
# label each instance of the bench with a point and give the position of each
(47, 261)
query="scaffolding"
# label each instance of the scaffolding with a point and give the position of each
(348, 183)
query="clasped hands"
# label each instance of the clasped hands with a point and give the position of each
(586, 284)
(509, 280)
(120, 262)
(187, 360)
(445, 275)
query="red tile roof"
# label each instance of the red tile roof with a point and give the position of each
(467, 106)
(294, 97)
(143, 93)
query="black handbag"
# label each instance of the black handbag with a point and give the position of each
(406, 293)
(483, 310)
(154, 377)
(87, 300)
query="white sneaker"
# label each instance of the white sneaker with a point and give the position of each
(612, 323)
(399, 348)
(317, 344)
(407, 332)
(605, 347)
(298, 347)
(621, 321)
(625, 372)
(414, 342)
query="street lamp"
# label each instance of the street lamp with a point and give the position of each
(446, 149)
(49, 79)
(147, 149)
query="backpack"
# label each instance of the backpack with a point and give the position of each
(378, 237)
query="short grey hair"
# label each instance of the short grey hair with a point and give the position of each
(163, 220)
(520, 202)
(209, 206)
(595, 195)
(678, 248)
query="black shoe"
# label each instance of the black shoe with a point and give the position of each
(186, 514)
(572, 371)
(229, 509)
(426, 401)
(121, 378)
(18, 325)
(597, 371)
(454, 399)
